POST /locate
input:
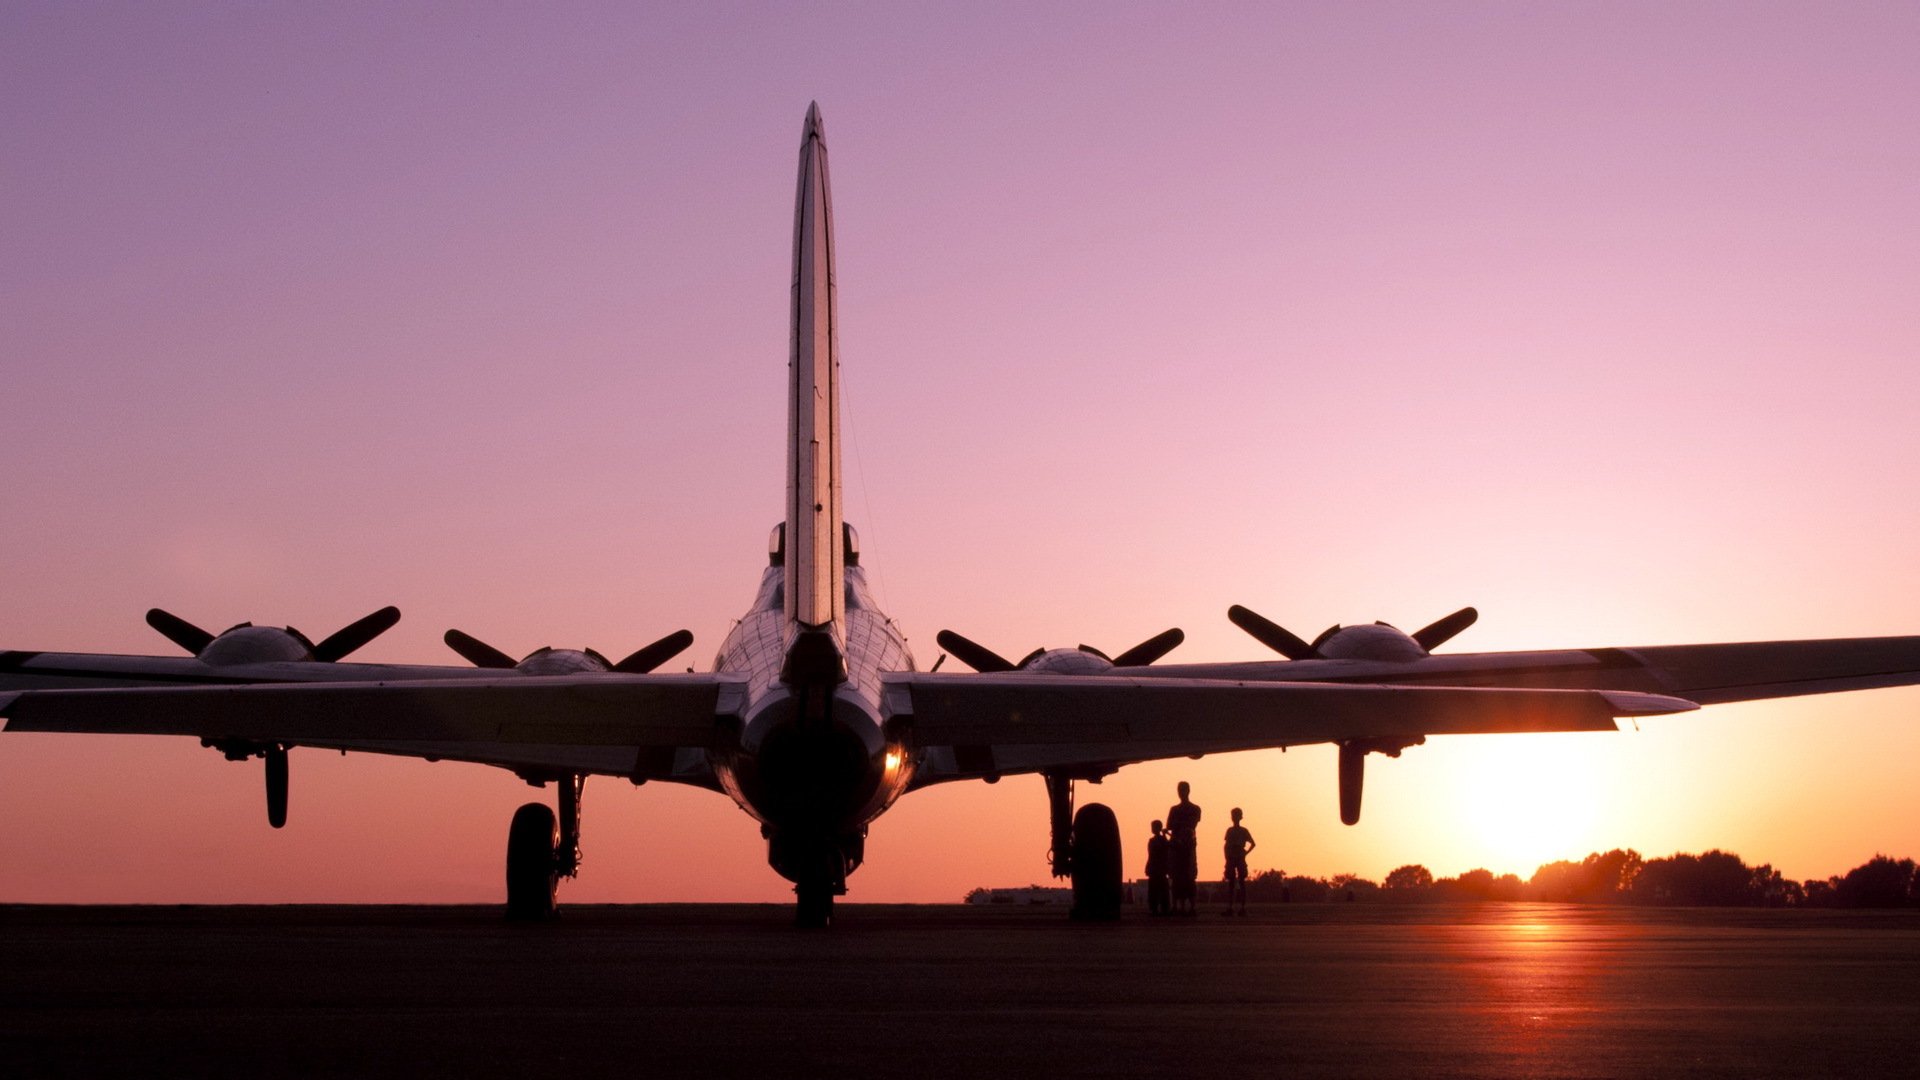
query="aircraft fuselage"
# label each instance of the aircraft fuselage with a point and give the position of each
(813, 761)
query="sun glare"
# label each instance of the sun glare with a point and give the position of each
(1534, 803)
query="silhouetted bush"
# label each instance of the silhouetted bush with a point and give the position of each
(1408, 883)
(1718, 878)
(1878, 882)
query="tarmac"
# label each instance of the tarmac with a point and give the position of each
(1470, 990)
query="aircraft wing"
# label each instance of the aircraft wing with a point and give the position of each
(25, 670)
(986, 725)
(638, 726)
(1706, 674)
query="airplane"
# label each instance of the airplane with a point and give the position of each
(814, 718)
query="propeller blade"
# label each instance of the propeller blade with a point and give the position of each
(652, 656)
(1272, 634)
(355, 634)
(179, 631)
(1439, 633)
(978, 657)
(1151, 649)
(477, 652)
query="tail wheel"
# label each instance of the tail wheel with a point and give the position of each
(1096, 864)
(532, 871)
(815, 908)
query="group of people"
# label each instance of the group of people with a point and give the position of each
(1173, 860)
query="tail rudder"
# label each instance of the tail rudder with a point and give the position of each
(815, 559)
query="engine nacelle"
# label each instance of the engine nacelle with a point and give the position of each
(249, 644)
(1080, 661)
(1353, 777)
(552, 661)
(1377, 641)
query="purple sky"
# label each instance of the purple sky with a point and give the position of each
(1602, 318)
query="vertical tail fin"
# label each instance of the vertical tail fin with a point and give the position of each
(815, 571)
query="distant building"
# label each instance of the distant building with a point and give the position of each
(1023, 896)
(1131, 892)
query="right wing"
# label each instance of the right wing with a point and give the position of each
(638, 726)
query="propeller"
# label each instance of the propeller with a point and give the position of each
(639, 662)
(1441, 631)
(1272, 634)
(179, 631)
(1149, 650)
(982, 659)
(1286, 643)
(336, 646)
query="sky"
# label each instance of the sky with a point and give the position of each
(1602, 318)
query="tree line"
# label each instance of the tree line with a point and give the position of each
(1716, 878)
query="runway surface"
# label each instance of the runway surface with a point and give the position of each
(1309, 990)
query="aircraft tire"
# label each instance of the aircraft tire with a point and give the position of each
(1096, 864)
(814, 911)
(532, 875)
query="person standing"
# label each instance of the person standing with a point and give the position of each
(1157, 867)
(1183, 825)
(1239, 843)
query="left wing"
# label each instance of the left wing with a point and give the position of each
(1705, 674)
(986, 725)
(30, 670)
(606, 723)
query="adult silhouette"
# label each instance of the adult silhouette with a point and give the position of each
(1183, 826)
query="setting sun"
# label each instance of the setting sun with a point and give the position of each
(1534, 802)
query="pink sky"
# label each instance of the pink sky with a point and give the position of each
(1602, 318)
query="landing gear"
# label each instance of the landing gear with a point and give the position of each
(1086, 848)
(531, 870)
(1059, 822)
(818, 864)
(275, 756)
(542, 849)
(1096, 864)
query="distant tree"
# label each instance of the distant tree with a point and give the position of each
(1769, 888)
(1608, 877)
(1507, 887)
(1307, 890)
(1878, 882)
(1353, 887)
(1472, 885)
(1819, 894)
(1267, 885)
(1410, 882)
(1716, 878)
(1557, 881)
(1477, 884)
